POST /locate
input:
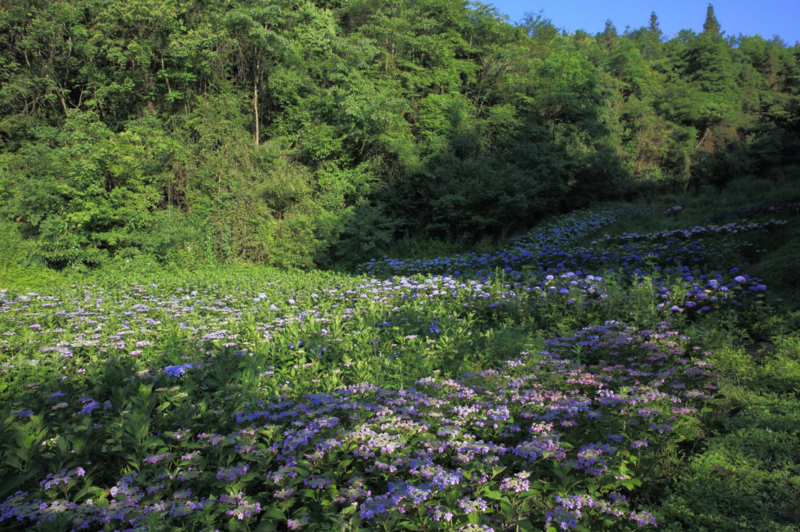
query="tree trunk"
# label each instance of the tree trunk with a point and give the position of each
(166, 78)
(702, 140)
(255, 107)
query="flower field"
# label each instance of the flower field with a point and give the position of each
(545, 386)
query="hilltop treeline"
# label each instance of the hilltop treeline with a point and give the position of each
(302, 133)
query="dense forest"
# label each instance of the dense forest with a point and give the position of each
(320, 133)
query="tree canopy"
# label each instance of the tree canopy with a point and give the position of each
(303, 133)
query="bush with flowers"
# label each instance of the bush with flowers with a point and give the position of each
(260, 400)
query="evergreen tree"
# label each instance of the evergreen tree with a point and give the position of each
(655, 27)
(608, 39)
(707, 65)
(711, 25)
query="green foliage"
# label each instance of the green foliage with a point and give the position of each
(20, 264)
(16, 250)
(368, 229)
(257, 126)
(747, 476)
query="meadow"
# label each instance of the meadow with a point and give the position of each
(613, 369)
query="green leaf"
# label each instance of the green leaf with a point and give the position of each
(274, 513)
(526, 525)
(496, 470)
(10, 484)
(508, 510)
(13, 461)
(267, 526)
(494, 495)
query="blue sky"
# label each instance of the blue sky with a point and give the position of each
(763, 17)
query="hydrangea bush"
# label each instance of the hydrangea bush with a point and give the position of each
(393, 401)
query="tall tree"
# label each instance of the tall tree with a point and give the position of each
(711, 25)
(706, 64)
(655, 27)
